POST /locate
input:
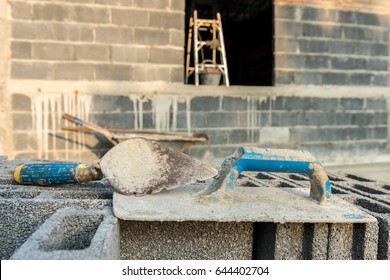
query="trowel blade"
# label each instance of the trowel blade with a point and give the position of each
(140, 166)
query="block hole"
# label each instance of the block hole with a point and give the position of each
(367, 189)
(18, 195)
(285, 185)
(338, 191)
(361, 179)
(335, 179)
(263, 176)
(373, 207)
(73, 233)
(299, 177)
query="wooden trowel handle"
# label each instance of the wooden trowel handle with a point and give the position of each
(48, 174)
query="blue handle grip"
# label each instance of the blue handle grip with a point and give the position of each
(271, 160)
(46, 174)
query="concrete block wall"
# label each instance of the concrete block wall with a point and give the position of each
(329, 43)
(329, 125)
(97, 40)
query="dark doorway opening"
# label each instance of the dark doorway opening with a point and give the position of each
(248, 35)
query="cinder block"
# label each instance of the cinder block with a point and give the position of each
(166, 20)
(103, 103)
(129, 17)
(177, 74)
(24, 141)
(153, 4)
(308, 78)
(315, 62)
(285, 11)
(74, 234)
(21, 10)
(49, 51)
(130, 54)
(288, 61)
(289, 45)
(92, 52)
(234, 104)
(312, 46)
(221, 119)
(74, 71)
(113, 72)
(341, 47)
(21, 103)
(289, 241)
(334, 78)
(144, 73)
(284, 118)
(287, 28)
(351, 103)
(360, 79)
(275, 135)
(380, 80)
(166, 55)
(151, 36)
(114, 35)
(176, 38)
(50, 12)
(324, 104)
(20, 49)
(377, 64)
(115, 120)
(297, 103)
(31, 70)
(185, 240)
(89, 14)
(177, 5)
(378, 104)
(205, 103)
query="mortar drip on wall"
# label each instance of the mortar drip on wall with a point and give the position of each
(164, 111)
(47, 110)
(254, 114)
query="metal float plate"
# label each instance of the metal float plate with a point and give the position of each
(250, 204)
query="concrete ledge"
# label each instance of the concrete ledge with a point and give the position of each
(74, 234)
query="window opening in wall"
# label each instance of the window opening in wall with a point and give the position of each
(247, 37)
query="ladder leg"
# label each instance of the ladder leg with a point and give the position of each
(223, 51)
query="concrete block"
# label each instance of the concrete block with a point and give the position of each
(341, 47)
(289, 241)
(348, 63)
(377, 64)
(288, 28)
(166, 55)
(74, 71)
(50, 12)
(21, 50)
(144, 73)
(318, 14)
(380, 80)
(312, 46)
(307, 78)
(198, 120)
(289, 45)
(284, 119)
(377, 104)
(297, 103)
(284, 77)
(234, 104)
(50, 51)
(289, 61)
(129, 17)
(130, 54)
(21, 102)
(113, 72)
(241, 136)
(324, 104)
(274, 135)
(205, 103)
(177, 5)
(31, 70)
(177, 74)
(185, 240)
(176, 38)
(285, 11)
(92, 52)
(115, 120)
(315, 62)
(351, 103)
(114, 35)
(360, 79)
(319, 244)
(73, 234)
(21, 10)
(151, 36)
(167, 20)
(89, 14)
(25, 141)
(334, 78)
(152, 4)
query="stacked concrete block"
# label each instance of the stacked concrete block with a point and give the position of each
(74, 234)
(96, 40)
(330, 45)
(24, 209)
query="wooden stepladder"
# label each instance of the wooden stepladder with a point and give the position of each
(205, 49)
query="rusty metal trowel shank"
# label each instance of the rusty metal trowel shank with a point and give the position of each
(135, 166)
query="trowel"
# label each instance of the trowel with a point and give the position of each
(133, 167)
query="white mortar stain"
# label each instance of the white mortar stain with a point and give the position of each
(47, 110)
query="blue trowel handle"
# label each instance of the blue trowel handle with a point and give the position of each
(48, 174)
(273, 160)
